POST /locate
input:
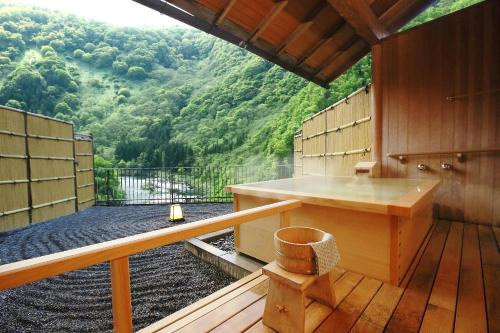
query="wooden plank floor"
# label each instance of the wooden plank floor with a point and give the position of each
(453, 287)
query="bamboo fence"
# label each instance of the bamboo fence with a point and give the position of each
(37, 170)
(334, 140)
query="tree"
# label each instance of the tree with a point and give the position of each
(104, 56)
(136, 73)
(25, 85)
(124, 92)
(14, 104)
(78, 53)
(120, 67)
(89, 47)
(62, 108)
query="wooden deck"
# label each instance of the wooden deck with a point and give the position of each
(454, 286)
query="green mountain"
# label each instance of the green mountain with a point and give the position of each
(162, 97)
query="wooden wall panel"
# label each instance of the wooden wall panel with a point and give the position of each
(455, 56)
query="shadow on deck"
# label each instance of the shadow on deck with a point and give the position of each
(452, 287)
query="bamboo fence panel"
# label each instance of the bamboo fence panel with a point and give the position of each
(349, 129)
(313, 145)
(84, 171)
(297, 155)
(14, 211)
(51, 154)
(38, 177)
(337, 138)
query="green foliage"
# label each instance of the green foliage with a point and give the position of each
(171, 97)
(78, 54)
(15, 104)
(120, 67)
(136, 73)
(120, 99)
(62, 108)
(124, 92)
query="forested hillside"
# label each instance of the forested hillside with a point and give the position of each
(162, 97)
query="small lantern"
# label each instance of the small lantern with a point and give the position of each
(176, 213)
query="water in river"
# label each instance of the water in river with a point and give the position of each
(153, 190)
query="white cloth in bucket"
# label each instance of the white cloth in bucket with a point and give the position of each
(327, 255)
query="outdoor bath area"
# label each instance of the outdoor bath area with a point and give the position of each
(379, 223)
(164, 279)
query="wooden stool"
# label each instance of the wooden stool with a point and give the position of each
(285, 303)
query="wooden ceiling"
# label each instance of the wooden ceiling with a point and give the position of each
(316, 39)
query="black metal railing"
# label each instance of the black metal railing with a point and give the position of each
(129, 186)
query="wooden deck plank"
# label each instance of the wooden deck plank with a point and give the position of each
(213, 305)
(471, 312)
(380, 309)
(410, 310)
(244, 319)
(453, 288)
(227, 310)
(440, 313)
(347, 312)
(490, 259)
(409, 273)
(224, 292)
(316, 313)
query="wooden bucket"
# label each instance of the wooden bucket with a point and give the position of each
(293, 251)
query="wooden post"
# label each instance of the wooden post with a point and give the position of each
(122, 304)
(376, 103)
(28, 168)
(236, 228)
(74, 168)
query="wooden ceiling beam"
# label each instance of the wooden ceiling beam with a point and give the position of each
(403, 11)
(339, 33)
(264, 23)
(223, 13)
(362, 18)
(301, 28)
(348, 58)
(328, 61)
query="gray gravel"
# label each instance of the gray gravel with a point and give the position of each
(163, 280)
(225, 243)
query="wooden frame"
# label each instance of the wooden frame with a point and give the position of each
(379, 239)
(117, 253)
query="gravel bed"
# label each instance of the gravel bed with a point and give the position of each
(225, 243)
(163, 280)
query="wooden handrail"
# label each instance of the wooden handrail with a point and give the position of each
(30, 270)
(444, 152)
(117, 253)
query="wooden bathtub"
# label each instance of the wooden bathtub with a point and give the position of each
(379, 223)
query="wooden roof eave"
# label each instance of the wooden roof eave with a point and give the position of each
(201, 18)
(366, 26)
